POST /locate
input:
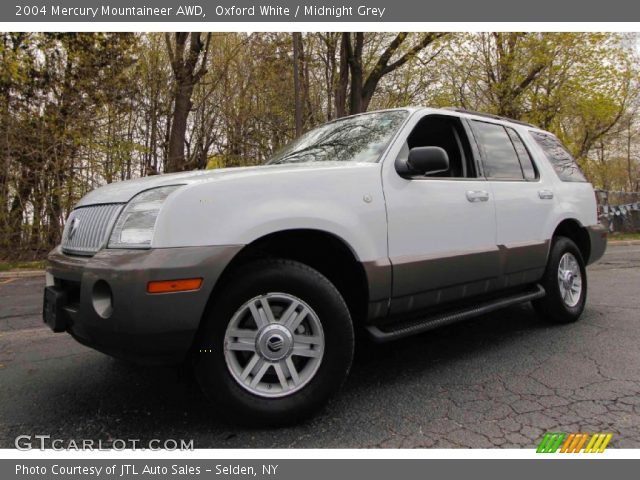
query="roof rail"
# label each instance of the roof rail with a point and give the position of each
(488, 115)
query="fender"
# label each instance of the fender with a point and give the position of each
(344, 200)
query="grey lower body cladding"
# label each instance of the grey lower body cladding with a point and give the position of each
(421, 283)
(143, 327)
(419, 325)
(435, 281)
(597, 243)
(417, 284)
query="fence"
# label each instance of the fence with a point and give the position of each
(619, 211)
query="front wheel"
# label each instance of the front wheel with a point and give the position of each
(565, 281)
(276, 343)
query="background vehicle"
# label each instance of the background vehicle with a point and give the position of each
(396, 221)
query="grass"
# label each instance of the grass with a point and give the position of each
(6, 266)
(624, 236)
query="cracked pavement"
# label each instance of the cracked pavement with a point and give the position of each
(501, 380)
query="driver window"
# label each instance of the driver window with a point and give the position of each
(448, 134)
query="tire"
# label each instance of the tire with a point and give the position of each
(559, 306)
(321, 362)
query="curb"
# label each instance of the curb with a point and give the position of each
(22, 273)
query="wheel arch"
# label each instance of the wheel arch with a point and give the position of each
(574, 230)
(326, 252)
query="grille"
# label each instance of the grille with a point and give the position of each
(87, 228)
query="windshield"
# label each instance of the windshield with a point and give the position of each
(362, 138)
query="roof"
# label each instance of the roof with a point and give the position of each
(489, 115)
(415, 108)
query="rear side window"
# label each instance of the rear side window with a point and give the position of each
(562, 161)
(526, 162)
(501, 161)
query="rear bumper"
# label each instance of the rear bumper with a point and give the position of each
(598, 242)
(138, 326)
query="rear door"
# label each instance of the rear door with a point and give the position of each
(442, 243)
(523, 202)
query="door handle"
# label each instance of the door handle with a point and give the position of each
(545, 194)
(477, 196)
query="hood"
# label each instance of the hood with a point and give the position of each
(122, 192)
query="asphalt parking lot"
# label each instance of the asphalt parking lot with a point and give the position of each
(497, 381)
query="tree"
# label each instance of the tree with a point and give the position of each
(297, 51)
(78, 110)
(578, 85)
(364, 85)
(188, 68)
(59, 86)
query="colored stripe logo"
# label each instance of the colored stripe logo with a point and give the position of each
(559, 442)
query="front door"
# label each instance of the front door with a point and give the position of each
(442, 230)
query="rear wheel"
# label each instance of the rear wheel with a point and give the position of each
(277, 342)
(565, 281)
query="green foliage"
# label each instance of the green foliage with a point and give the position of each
(215, 161)
(62, 95)
(617, 237)
(22, 265)
(580, 86)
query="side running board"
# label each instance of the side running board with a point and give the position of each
(411, 327)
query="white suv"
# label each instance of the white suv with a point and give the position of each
(395, 222)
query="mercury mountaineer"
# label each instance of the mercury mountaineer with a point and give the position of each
(393, 222)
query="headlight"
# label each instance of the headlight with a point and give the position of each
(137, 221)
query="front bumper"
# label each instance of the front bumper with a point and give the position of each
(138, 326)
(598, 242)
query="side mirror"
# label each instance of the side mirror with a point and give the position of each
(427, 160)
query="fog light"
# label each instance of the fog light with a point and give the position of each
(102, 299)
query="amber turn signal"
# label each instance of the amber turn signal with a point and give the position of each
(168, 286)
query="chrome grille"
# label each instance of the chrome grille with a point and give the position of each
(87, 228)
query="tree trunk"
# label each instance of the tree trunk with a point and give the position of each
(343, 83)
(363, 89)
(16, 211)
(182, 107)
(187, 74)
(354, 55)
(297, 47)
